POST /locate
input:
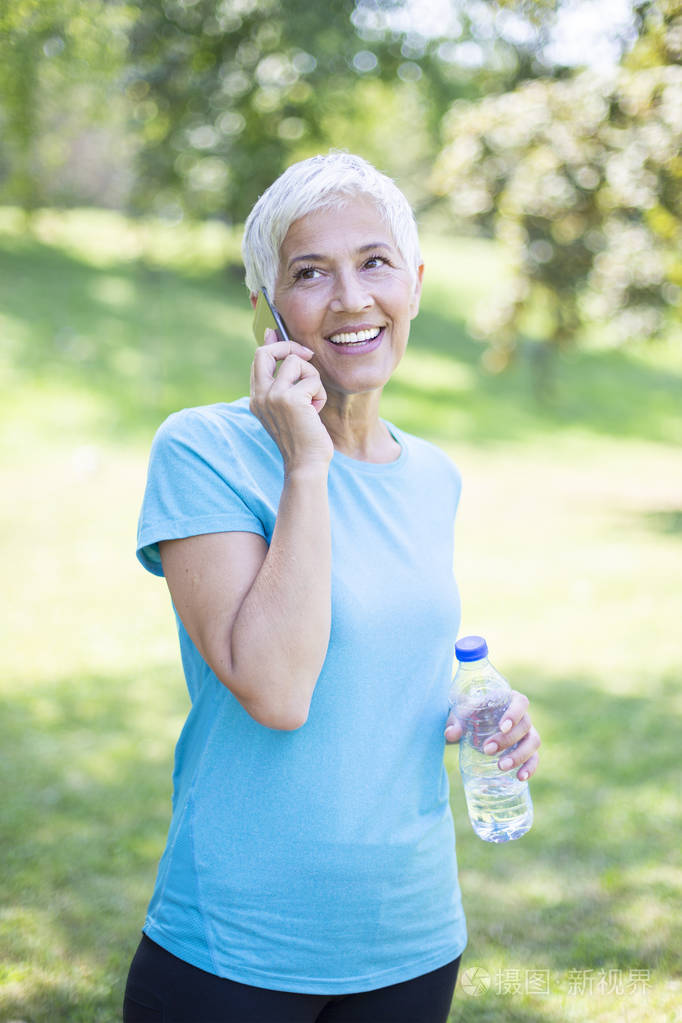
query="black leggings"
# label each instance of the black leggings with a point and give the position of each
(164, 989)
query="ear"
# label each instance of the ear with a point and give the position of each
(416, 294)
(253, 298)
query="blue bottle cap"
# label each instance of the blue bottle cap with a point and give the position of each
(471, 648)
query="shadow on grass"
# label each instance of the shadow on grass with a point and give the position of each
(86, 783)
(145, 341)
(666, 520)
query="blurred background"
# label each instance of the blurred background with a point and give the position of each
(539, 143)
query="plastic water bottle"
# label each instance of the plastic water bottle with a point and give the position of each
(499, 805)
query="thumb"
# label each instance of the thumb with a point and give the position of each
(453, 729)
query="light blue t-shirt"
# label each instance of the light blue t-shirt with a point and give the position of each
(319, 860)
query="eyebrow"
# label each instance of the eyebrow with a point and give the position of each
(318, 256)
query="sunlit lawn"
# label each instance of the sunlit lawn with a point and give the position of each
(569, 557)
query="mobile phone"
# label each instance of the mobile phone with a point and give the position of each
(267, 316)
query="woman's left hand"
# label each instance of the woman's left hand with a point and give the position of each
(515, 727)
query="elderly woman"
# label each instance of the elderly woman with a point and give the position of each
(310, 873)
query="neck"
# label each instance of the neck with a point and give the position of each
(352, 422)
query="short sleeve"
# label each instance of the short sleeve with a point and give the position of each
(195, 484)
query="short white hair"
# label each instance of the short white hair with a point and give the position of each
(322, 182)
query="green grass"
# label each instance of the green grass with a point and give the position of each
(568, 551)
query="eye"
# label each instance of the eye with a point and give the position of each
(306, 273)
(376, 261)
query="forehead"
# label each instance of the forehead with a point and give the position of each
(330, 231)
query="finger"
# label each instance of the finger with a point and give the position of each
(528, 769)
(267, 359)
(500, 740)
(453, 728)
(274, 348)
(516, 709)
(265, 365)
(319, 400)
(514, 724)
(313, 390)
(292, 370)
(518, 757)
(275, 351)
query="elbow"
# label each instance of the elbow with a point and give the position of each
(286, 722)
(281, 712)
(282, 707)
(280, 718)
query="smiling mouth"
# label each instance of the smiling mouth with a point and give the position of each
(355, 338)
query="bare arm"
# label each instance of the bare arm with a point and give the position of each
(260, 615)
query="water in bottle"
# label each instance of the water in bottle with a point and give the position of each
(499, 805)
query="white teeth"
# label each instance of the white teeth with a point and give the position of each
(354, 339)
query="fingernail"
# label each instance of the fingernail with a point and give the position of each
(506, 725)
(506, 764)
(523, 775)
(490, 747)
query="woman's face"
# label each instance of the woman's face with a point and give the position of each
(344, 291)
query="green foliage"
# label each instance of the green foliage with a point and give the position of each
(581, 178)
(56, 59)
(225, 96)
(226, 93)
(660, 34)
(194, 106)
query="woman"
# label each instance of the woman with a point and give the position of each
(309, 873)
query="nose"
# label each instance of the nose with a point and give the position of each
(350, 293)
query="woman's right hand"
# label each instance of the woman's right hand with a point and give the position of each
(287, 396)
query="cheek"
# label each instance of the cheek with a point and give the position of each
(403, 300)
(300, 311)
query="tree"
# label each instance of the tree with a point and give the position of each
(220, 95)
(224, 93)
(581, 179)
(54, 56)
